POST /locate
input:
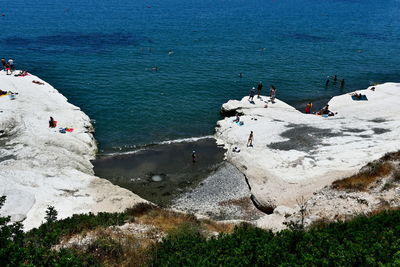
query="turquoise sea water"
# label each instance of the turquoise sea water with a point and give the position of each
(99, 54)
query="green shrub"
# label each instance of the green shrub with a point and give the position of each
(34, 247)
(362, 242)
(105, 247)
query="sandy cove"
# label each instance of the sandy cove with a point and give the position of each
(39, 166)
(297, 154)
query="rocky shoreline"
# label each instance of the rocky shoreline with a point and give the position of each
(41, 166)
(295, 155)
(294, 161)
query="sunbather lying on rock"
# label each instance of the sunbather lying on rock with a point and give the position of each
(22, 73)
(326, 111)
(357, 95)
(38, 82)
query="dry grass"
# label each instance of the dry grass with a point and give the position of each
(167, 221)
(382, 208)
(213, 226)
(367, 176)
(132, 246)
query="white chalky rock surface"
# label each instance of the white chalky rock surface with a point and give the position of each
(40, 166)
(296, 154)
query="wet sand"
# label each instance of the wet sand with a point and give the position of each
(161, 173)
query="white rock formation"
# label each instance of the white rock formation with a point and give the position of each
(296, 154)
(39, 166)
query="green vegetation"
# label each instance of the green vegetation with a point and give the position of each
(362, 242)
(35, 247)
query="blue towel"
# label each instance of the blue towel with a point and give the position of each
(363, 98)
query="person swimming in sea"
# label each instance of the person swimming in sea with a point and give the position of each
(342, 84)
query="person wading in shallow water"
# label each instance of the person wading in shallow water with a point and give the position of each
(194, 156)
(327, 82)
(250, 140)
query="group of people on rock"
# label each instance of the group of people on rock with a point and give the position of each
(8, 65)
(272, 92)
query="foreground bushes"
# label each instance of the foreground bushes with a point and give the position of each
(362, 242)
(365, 241)
(34, 248)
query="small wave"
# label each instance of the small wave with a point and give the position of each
(167, 142)
(190, 139)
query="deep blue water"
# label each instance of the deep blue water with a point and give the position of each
(99, 54)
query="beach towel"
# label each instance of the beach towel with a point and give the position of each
(363, 98)
(69, 129)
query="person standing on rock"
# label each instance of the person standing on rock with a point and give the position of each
(252, 94)
(259, 88)
(308, 108)
(272, 93)
(3, 62)
(11, 63)
(250, 140)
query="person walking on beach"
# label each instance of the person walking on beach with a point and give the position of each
(250, 140)
(308, 108)
(342, 84)
(194, 156)
(259, 88)
(252, 93)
